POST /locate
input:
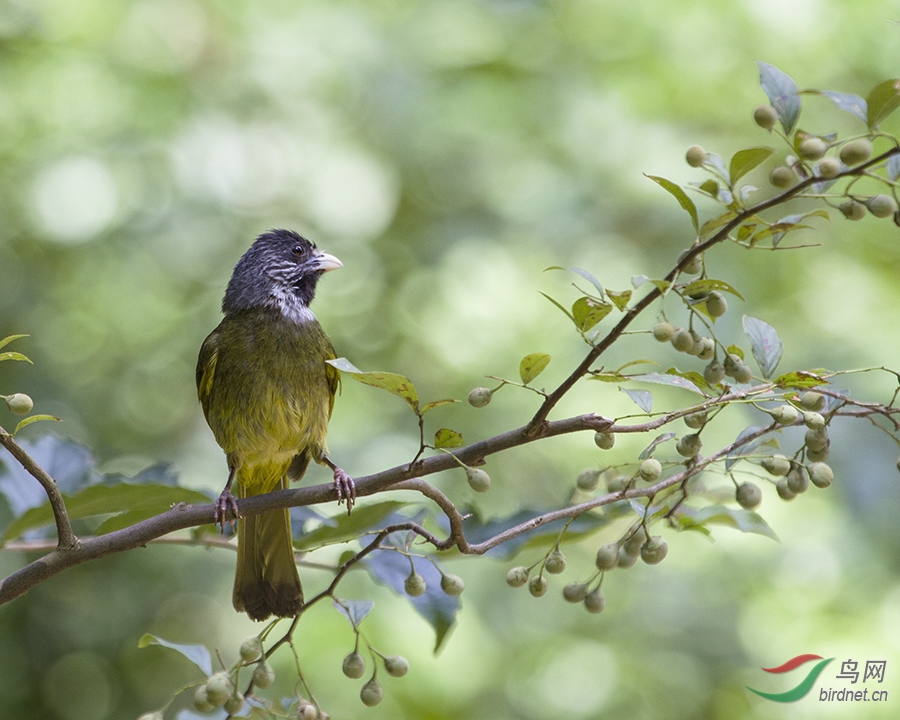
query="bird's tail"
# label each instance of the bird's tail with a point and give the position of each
(266, 581)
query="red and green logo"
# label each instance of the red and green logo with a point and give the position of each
(805, 685)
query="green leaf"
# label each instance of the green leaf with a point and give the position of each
(882, 101)
(680, 196)
(746, 160)
(782, 92)
(437, 403)
(657, 441)
(587, 312)
(9, 338)
(708, 285)
(638, 280)
(33, 419)
(532, 365)
(742, 450)
(735, 350)
(853, 104)
(799, 379)
(609, 376)
(363, 519)
(447, 438)
(669, 379)
(354, 610)
(392, 382)
(715, 223)
(710, 187)
(620, 299)
(14, 356)
(745, 231)
(746, 521)
(765, 344)
(584, 273)
(197, 654)
(568, 314)
(642, 398)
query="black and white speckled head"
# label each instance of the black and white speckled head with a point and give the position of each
(280, 270)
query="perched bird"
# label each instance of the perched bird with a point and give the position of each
(267, 394)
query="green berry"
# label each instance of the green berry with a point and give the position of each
(784, 490)
(626, 559)
(555, 562)
(396, 665)
(354, 665)
(817, 455)
(714, 373)
(517, 576)
(263, 675)
(743, 374)
(414, 585)
(201, 702)
(594, 602)
(882, 206)
(218, 689)
(856, 152)
(748, 495)
(618, 483)
(234, 703)
(695, 156)
(797, 481)
(821, 474)
(251, 649)
(372, 693)
(781, 176)
(20, 403)
(588, 479)
(732, 362)
(574, 592)
(537, 586)
(812, 148)
(829, 168)
(663, 331)
(811, 400)
(852, 210)
(604, 440)
(785, 414)
(682, 340)
(697, 346)
(452, 585)
(765, 116)
(478, 479)
(607, 556)
(307, 711)
(688, 445)
(695, 420)
(480, 396)
(813, 420)
(634, 543)
(654, 551)
(707, 349)
(694, 266)
(777, 465)
(650, 469)
(816, 440)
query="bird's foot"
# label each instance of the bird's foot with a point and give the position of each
(224, 503)
(345, 487)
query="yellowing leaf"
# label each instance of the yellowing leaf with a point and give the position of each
(447, 438)
(532, 365)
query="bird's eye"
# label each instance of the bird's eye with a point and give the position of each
(297, 250)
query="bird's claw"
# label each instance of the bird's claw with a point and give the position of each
(345, 487)
(224, 503)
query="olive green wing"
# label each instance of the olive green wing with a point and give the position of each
(206, 367)
(333, 375)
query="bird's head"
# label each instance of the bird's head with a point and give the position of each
(279, 270)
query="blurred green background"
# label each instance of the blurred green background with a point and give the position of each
(447, 151)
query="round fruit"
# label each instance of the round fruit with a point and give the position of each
(852, 210)
(604, 441)
(354, 665)
(372, 693)
(517, 576)
(263, 675)
(813, 148)
(816, 440)
(634, 544)
(817, 455)
(695, 420)
(219, 689)
(588, 479)
(688, 445)
(537, 586)
(618, 483)
(682, 340)
(714, 373)
(781, 176)
(784, 491)
(594, 602)
(414, 585)
(480, 397)
(654, 551)
(811, 400)
(307, 711)
(856, 152)
(707, 349)
(748, 495)
(20, 403)
(478, 479)
(234, 703)
(663, 331)
(882, 206)
(650, 469)
(396, 665)
(829, 168)
(765, 116)
(626, 559)
(201, 702)
(555, 563)
(821, 474)
(785, 414)
(607, 556)
(695, 156)
(251, 649)
(743, 374)
(777, 465)
(452, 585)
(732, 362)
(797, 481)
(574, 592)
(813, 420)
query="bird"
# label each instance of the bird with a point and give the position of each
(267, 393)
